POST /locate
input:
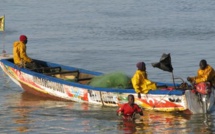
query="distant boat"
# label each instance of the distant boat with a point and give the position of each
(66, 83)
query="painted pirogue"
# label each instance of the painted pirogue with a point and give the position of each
(66, 83)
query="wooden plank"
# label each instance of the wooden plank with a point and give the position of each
(62, 72)
(83, 79)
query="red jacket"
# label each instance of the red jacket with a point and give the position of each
(128, 111)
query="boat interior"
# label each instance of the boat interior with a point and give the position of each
(59, 72)
(78, 76)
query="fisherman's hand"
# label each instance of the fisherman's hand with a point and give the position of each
(139, 95)
(119, 113)
(192, 81)
(141, 113)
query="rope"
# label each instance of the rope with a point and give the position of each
(161, 99)
(101, 98)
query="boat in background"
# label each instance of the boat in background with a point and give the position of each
(67, 83)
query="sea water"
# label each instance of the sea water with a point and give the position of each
(105, 36)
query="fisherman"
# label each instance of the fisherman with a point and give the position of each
(128, 110)
(19, 54)
(205, 73)
(140, 82)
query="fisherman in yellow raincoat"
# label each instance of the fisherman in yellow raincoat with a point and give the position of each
(19, 53)
(204, 74)
(140, 82)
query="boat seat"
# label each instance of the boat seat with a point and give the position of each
(69, 72)
(47, 69)
(83, 79)
(62, 72)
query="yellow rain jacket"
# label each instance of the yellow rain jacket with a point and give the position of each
(141, 84)
(208, 74)
(19, 53)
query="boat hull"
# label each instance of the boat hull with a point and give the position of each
(58, 89)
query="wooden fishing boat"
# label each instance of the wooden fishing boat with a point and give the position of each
(66, 83)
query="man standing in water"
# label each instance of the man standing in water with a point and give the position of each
(128, 110)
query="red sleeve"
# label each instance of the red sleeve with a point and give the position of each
(121, 109)
(138, 109)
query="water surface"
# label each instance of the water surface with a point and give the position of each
(105, 36)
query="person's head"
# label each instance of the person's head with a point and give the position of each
(131, 99)
(203, 64)
(23, 39)
(141, 66)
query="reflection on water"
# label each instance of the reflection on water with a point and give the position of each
(23, 112)
(168, 123)
(156, 122)
(164, 122)
(26, 108)
(29, 113)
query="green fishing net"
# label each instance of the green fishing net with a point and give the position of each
(112, 80)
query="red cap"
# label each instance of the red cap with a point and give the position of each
(23, 38)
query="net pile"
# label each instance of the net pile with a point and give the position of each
(112, 80)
